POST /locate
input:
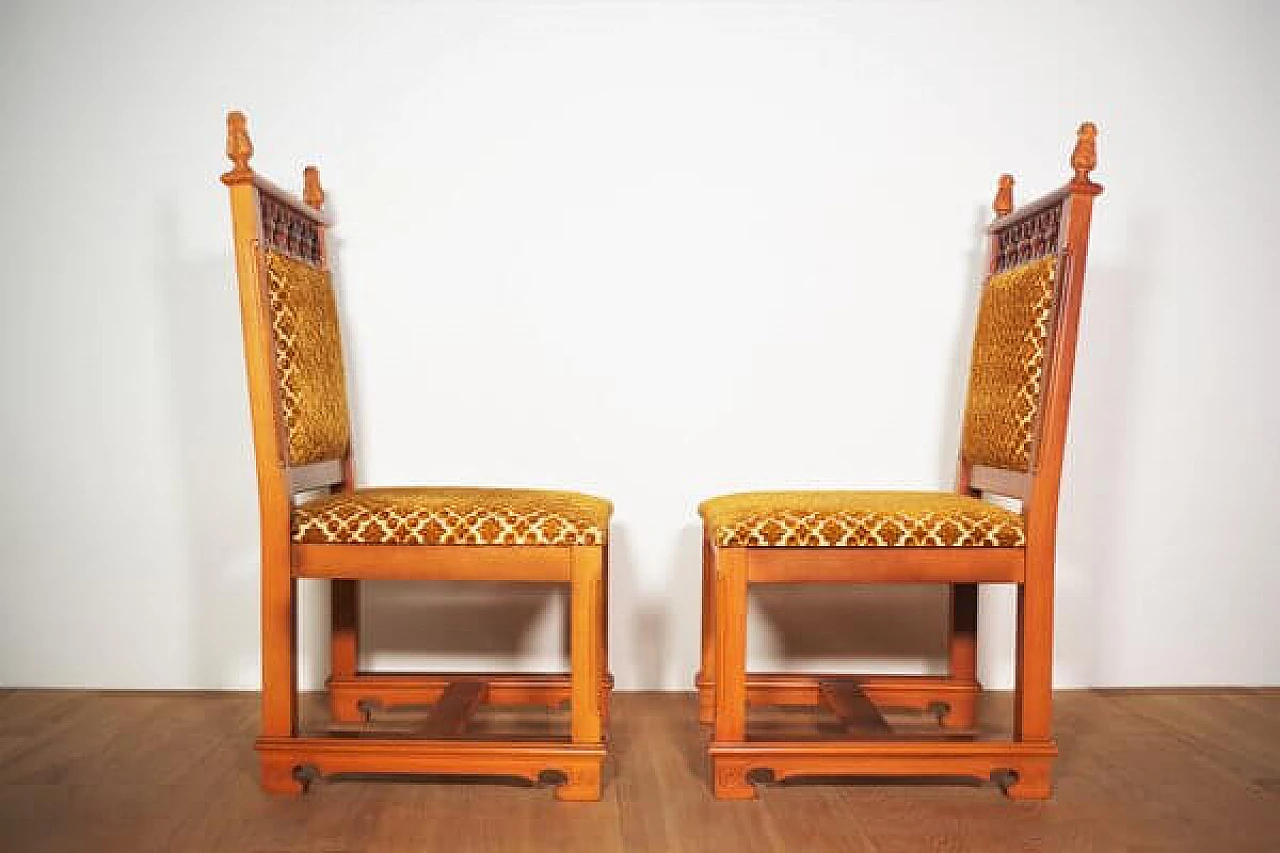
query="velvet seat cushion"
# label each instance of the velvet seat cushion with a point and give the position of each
(453, 516)
(843, 519)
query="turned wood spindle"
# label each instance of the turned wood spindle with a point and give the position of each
(1003, 205)
(1084, 159)
(239, 145)
(312, 192)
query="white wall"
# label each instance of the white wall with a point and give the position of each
(657, 251)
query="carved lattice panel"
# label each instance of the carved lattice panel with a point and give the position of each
(1034, 237)
(287, 231)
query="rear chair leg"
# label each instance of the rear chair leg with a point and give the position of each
(344, 646)
(963, 654)
(1033, 697)
(705, 681)
(279, 671)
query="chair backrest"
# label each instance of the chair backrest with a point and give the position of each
(1025, 341)
(292, 343)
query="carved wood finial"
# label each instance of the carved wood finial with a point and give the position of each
(239, 146)
(1003, 205)
(312, 192)
(1084, 159)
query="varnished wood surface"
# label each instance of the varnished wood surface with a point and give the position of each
(884, 565)
(851, 705)
(176, 772)
(1056, 226)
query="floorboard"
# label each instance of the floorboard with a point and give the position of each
(133, 772)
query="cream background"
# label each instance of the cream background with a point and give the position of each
(653, 250)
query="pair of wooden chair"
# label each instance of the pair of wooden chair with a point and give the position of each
(302, 441)
(317, 524)
(1012, 445)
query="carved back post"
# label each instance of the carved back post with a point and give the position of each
(266, 218)
(1055, 225)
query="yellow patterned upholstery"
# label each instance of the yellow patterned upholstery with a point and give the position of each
(453, 516)
(836, 519)
(1008, 365)
(308, 355)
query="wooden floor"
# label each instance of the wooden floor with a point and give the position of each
(102, 772)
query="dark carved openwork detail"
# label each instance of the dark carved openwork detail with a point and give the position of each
(1027, 239)
(287, 231)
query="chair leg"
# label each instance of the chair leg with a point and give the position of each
(729, 775)
(963, 653)
(586, 621)
(1034, 692)
(705, 681)
(1033, 697)
(344, 645)
(279, 669)
(279, 652)
(605, 680)
(731, 645)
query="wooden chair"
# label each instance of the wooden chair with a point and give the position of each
(302, 443)
(1014, 430)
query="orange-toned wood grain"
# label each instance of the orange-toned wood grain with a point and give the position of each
(282, 750)
(726, 690)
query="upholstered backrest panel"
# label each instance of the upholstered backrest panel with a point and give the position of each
(1007, 371)
(308, 360)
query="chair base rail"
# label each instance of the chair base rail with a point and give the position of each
(1028, 763)
(909, 692)
(438, 744)
(352, 697)
(289, 762)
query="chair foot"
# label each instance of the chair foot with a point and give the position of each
(348, 708)
(730, 780)
(581, 785)
(281, 776)
(961, 713)
(1032, 781)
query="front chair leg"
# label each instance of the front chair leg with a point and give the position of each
(729, 776)
(586, 623)
(731, 645)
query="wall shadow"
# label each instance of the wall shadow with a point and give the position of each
(1102, 437)
(470, 622)
(350, 352)
(995, 602)
(962, 347)
(891, 628)
(639, 621)
(886, 628)
(461, 619)
(215, 488)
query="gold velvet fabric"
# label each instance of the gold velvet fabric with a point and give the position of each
(308, 360)
(453, 516)
(839, 519)
(1007, 370)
